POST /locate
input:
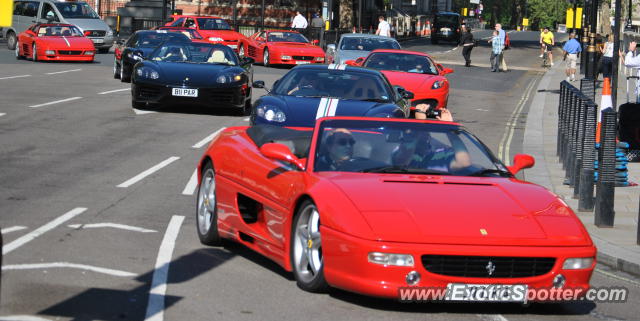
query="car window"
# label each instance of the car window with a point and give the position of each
(48, 12)
(401, 62)
(18, 8)
(178, 22)
(76, 10)
(447, 20)
(154, 39)
(368, 44)
(59, 31)
(200, 53)
(30, 9)
(213, 24)
(278, 36)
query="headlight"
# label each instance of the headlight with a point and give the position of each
(285, 57)
(129, 55)
(215, 39)
(109, 32)
(271, 113)
(223, 79)
(146, 72)
(391, 259)
(88, 53)
(319, 59)
(49, 52)
(437, 84)
(577, 263)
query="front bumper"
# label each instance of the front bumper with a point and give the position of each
(296, 60)
(346, 265)
(435, 96)
(66, 55)
(228, 97)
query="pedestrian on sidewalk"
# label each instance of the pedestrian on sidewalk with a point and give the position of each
(546, 43)
(496, 51)
(607, 57)
(467, 43)
(384, 29)
(503, 36)
(299, 22)
(571, 50)
(632, 60)
(316, 26)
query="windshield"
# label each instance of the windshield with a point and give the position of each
(403, 147)
(189, 33)
(368, 44)
(333, 83)
(198, 53)
(59, 31)
(154, 39)
(447, 20)
(76, 10)
(401, 62)
(286, 37)
(213, 24)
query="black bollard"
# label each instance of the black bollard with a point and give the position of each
(577, 168)
(561, 108)
(585, 201)
(604, 215)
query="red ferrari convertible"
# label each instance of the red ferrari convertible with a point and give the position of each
(373, 205)
(281, 47)
(415, 71)
(62, 42)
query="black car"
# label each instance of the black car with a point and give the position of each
(143, 42)
(446, 26)
(308, 92)
(203, 74)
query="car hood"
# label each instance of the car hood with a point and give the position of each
(461, 210)
(192, 75)
(89, 24)
(410, 81)
(66, 43)
(344, 55)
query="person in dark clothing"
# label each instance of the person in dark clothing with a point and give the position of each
(467, 43)
(316, 26)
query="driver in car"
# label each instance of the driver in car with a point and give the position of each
(337, 150)
(418, 150)
(308, 84)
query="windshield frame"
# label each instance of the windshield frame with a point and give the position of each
(365, 38)
(72, 28)
(229, 53)
(202, 22)
(91, 13)
(268, 33)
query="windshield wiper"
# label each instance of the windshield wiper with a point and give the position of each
(486, 171)
(403, 170)
(375, 100)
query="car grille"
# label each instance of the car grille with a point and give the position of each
(95, 33)
(303, 57)
(222, 96)
(148, 92)
(69, 52)
(479, 266)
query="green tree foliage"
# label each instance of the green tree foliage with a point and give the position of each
(547, 13)
(510, 12)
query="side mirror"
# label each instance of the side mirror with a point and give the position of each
(520, 162)
(446, 71)
(282, 153)
(259, 39)
(247, 61)
(121, 41)
(137, 55)
(258, 84)
(351, 63)
(440, 67)
(359, 61)
(407, 95)
(331, 47)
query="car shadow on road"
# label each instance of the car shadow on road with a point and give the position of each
(193, 110)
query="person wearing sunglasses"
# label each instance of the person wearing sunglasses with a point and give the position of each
(337, 151)
(418, 150)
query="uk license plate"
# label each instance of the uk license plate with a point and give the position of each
(185, 92)
(486, 292)
(97, 40)
(302, 62)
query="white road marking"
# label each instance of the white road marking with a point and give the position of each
(142, 112)
(207, 139)
(611, 275)
(12, 229)
(13, 77)
(2, 114)
(22, 318)
(112, 225)
(480, 109)
(62, 72)
(155, 307)
(36, 266)
(505, 142)
(491, 317)
(149, 171)
(190, 188)
(55, 102)
(246, 119)
(113, 91)
(41, 230)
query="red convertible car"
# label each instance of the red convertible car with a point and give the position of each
(372, 205)
(61, 42)
(281, 47)
(414, 71)
(213, 29)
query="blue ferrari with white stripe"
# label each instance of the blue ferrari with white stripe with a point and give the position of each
(309, 92)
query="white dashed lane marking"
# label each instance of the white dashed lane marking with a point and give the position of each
(113, 91)
(13, 77)
(190, 188)
(55, 102)
(112, 225)
(40, 266)
(207, 139)
(149, 171)
(41, 230)
(142, 112)
(2, 114)
(12, 229)
(62, 72)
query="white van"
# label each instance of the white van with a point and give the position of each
(28, 12)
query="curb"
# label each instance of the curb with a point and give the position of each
(533, 144)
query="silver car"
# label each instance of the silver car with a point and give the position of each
(355, 45)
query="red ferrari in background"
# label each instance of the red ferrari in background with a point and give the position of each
(213, 29)
(190, 33)
(372, 205)
(51, 42)
(415, 71)
(281, 47)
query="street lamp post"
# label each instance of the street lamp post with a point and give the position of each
(629, 26)
(591, 49)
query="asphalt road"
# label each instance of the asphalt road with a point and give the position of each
(88, 222)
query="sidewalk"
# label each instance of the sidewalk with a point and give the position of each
(616, 246)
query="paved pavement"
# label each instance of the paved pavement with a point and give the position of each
(617, 245)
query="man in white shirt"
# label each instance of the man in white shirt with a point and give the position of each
(299, 22)
(384, 29)
(632, 60)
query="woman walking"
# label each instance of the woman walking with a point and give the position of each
(607, 56)
(467, 42)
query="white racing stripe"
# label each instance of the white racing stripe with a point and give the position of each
(155, 307)
(207, 139)
(55, 102)
(13, 77)
(327, 107)
(62, 72)
(39, 266)
(41, 230)
(190, 188)
(148, 172)
(113, 91)
(13, 229)
(112, 225)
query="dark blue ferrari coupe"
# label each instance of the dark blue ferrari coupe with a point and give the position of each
(309, 92)
(208, 75)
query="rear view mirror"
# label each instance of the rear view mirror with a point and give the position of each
(258, 84)
(446, 71)
(407, 95)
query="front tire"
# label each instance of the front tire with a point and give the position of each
(265, 57)
(17, 51)
(125, 76)
(306, 249)
(116, 68)
(12, 40)
(246, 110)
(206, 208)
